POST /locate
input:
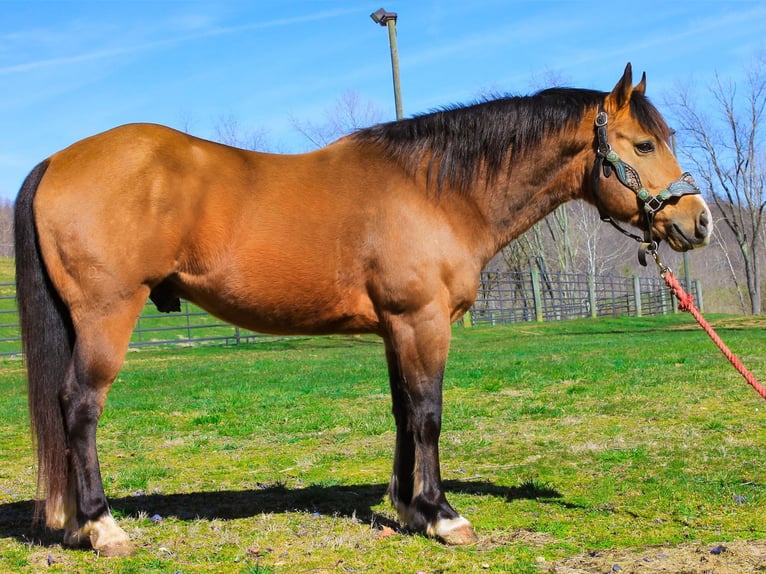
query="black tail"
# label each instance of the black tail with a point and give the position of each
(47, 337)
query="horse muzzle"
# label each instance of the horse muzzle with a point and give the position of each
(686, 225)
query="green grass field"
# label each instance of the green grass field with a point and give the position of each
(559, 440)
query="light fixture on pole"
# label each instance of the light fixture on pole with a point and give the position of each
(388, 19)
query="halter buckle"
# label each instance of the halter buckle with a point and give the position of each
(653, 204)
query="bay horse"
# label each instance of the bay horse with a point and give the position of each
(384, 231)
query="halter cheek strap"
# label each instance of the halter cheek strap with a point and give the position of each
(606, 162)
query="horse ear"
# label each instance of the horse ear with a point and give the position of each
(620, 95)
(641, 86)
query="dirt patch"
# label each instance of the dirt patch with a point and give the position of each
(754, 322)
(725, 558)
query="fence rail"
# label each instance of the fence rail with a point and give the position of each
(504, 297)
(511, 297)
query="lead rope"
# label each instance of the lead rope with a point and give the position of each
(686, 303)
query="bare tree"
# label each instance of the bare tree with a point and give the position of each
(348, 114)
(230, 131)
(572, 239)
(727, 149)
(596, 248)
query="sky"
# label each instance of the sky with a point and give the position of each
(70, 69)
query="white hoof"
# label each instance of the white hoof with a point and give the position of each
(453, 531)
(108, 539)
(103, 535)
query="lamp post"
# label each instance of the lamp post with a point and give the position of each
(388, 19)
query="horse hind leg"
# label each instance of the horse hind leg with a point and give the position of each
(84, 512)
(100, 346)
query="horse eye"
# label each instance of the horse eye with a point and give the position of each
(645, 147)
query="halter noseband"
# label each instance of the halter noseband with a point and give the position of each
(606, 161)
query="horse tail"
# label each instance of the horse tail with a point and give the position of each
(47, 342)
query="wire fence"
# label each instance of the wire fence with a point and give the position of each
(504, 297)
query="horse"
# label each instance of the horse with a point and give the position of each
(384, 231)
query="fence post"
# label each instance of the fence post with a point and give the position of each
(537, 294)
(664, 299)
(637, 295)
(592, 295)
(188, 321)
(698, 293)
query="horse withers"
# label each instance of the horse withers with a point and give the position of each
(384, 231)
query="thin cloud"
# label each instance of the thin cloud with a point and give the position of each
(153, 45)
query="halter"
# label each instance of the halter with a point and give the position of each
(606, 161)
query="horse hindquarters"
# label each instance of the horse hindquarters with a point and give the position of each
(69, 369)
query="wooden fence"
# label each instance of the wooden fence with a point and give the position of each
(504, 297)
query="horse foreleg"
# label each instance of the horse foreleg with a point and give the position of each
(416, 352)
(98, 355)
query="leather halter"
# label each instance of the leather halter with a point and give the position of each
(606, 162)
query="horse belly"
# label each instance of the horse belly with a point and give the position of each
(288, 312)
(272, 292)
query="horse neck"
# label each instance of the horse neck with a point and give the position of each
(537, 182)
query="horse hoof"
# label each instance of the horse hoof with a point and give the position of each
(454, 532)
(116, 549)
(108, 539)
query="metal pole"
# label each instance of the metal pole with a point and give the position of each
(391, 23)
(388, 19)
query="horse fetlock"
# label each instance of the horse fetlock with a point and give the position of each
(453, 531)
(407, 517)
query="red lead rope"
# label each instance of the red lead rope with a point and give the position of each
(686, 303)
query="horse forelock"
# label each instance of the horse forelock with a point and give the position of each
(464, 144)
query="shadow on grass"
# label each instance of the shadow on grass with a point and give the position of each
(337, 500)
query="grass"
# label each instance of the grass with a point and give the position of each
(559, 439)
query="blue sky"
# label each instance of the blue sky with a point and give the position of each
(69, 69)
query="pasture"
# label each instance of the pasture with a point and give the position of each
(571, 447)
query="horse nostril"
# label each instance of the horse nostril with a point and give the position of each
(703, 224)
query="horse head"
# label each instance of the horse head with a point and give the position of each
(636, 178)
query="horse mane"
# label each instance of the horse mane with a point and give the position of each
(466, 142)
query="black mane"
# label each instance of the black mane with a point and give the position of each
(462, 139)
